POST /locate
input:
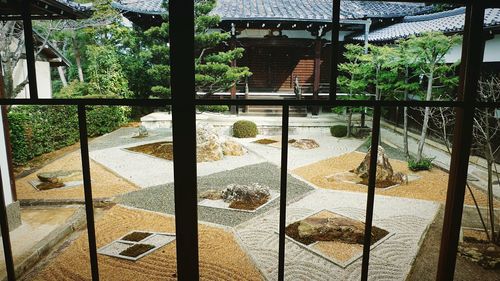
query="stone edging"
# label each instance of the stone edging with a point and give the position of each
(46, 245)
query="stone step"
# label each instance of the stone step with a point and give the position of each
(295, 111)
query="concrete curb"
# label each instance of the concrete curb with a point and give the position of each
(44, 247)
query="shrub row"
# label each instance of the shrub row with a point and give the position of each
(35, 130)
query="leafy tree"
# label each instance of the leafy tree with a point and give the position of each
(405, 83)
(214, 72)
(383, 75)
(105, 74)
(354, 77)
(428, 51)
(213, 66)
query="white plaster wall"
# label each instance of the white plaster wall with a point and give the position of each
(43, 79)
(4, 166)
(491, 51)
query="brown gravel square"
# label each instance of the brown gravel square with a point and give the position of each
(220, 256)
(432, 184)
(105, 184)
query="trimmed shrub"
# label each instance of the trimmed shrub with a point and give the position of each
(423, 165)
(213, 108)
(338, 131)
(35, 130)
(245, 129)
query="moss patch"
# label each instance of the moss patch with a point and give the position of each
(248, 205)
(136, 236)
(265, 141)
(164, 150)
(136, 250)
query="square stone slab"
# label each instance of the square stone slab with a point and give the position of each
(340, 253)
(156, 239)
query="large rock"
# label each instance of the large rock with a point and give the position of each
(142, 132)
(304, 143)
(245, 193)
(331, 229)
(232, 148)
(60, 176)
(208, 144)
(385, 174)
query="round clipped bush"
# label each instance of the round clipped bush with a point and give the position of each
(245, 129)
(338, 131)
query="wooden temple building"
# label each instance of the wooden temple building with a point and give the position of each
(288, 42)
(285, 41)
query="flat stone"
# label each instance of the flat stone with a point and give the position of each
(49, 185)
(304, 143)
(328, 229)
(60, 176)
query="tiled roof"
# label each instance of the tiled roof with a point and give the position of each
(75, 6)
(446, 22)
(290, 10)
(153, 7)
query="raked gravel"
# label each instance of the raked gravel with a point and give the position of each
(161, 198)
(148, 171)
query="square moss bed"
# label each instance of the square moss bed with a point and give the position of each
(163, 150)
(220, 204)
(338, 252)
(136, 244)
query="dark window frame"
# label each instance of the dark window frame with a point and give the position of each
(184, 132)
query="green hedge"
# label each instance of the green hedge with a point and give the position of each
(35, 130)
(338, 131)
(245, 129)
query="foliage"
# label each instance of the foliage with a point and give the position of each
(338, 131)
(213, 108)
(35, 130)
(428, 52)
(382, 73)
(213, 68)
(74, 89)
(245, 129)
(105, 74)
(104, 119)
(423, 164)
(355, 71)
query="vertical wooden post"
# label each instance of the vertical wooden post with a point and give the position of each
(317, 72)
(472, 57)
(8, 145)
(181, 18)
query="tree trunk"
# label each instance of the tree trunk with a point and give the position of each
(491, 209)
(489, 161)
(349, 121)
(78, 59)
(8, 80)
(62, 76)
(405, 119)
(425, 125)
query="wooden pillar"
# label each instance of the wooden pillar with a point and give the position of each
(317, 72)
(234, 108)
(8, 145)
